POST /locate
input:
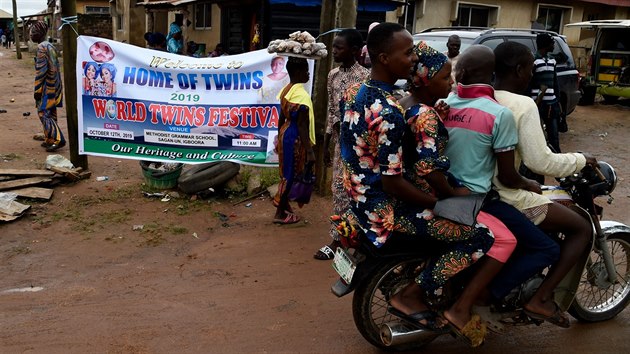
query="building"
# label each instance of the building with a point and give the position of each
(233, 23)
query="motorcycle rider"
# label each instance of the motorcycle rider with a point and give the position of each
(513, 71)
(371, 150)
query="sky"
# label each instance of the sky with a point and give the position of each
(25, 7)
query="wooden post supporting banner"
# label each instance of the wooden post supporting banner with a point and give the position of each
(69, 40)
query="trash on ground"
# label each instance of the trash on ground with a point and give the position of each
(166, 198)
(138, 227)
(154, 195)
(195, 235)
(58, 161)
(248, 205)
(102, 178)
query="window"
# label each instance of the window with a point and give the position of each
(468, 15)
(492, 42)
(549, 18)
(203, 16)
(104, 10)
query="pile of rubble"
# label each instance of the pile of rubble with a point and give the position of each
(37, 184)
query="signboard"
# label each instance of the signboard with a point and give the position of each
(145, 104)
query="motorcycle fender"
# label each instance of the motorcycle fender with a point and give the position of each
(612, 227)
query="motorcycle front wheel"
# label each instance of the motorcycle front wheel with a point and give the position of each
(371, 298)
(597, 299)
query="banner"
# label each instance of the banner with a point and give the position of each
(145, 104)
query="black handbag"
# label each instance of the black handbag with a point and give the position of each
(460, 209)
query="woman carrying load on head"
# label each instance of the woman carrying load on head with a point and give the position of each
(296, 136)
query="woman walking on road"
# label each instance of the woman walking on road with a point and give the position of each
(47, 87)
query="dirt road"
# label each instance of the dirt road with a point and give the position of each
(188, 282)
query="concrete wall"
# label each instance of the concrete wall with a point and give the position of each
(132, 22)
(210, 37)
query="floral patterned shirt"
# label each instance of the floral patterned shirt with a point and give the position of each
(371, 146)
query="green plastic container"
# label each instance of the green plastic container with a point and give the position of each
(160, 179)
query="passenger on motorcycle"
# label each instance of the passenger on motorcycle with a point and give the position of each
(371, 150)
(514, 63)
(426, 167)
(483, 138)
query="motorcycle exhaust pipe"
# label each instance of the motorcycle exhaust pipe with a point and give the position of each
(397, 333)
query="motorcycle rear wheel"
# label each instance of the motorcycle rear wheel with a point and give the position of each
(596, 299)
(371, 298)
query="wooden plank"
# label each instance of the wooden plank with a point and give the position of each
(17, 172)
(23, 182)
(34, 193)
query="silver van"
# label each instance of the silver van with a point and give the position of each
(608, 71)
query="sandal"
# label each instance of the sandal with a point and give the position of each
(558, 318)
(325, 253)
(430, 318)
(474, 332)
(289, 219)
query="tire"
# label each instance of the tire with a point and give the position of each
(200, 178)
(608, 99)
(596, 299)
(370, 300)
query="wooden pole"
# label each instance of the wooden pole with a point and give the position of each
(69, 42)
(320, 94)
(16, 35)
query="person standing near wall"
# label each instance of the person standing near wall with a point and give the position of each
(47, 88)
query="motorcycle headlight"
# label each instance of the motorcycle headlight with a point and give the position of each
(609, 174)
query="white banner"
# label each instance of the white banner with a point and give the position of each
(144, 104)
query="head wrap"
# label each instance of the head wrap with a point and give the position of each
(430, 61)
(173, 29)
(39, 29)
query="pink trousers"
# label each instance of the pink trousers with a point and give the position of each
(504, 240)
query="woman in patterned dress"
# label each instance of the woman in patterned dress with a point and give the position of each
(47, 88)
(296, 137)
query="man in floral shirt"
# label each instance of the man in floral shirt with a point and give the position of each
(382, 203)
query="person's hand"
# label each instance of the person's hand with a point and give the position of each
(327, 158)
(590, 159)
(442, 109)
(533, 186)
(310, 156)
(37, 96)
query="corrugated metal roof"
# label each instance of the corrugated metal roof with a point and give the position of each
(164, 2)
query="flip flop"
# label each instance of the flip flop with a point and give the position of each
(474, 332)
(414, 319)
(558, 318)
(324, 254)
(289, 219)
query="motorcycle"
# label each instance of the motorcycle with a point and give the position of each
(596, 289)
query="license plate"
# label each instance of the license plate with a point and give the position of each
(344, 265)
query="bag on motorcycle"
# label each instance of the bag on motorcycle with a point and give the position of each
(461, 209)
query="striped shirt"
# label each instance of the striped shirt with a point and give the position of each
(544, 74)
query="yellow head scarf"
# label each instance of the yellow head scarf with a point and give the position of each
(298, 95)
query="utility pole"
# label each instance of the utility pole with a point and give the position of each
(69, 42)
(16, 36)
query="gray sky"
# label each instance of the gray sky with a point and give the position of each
(25, 7)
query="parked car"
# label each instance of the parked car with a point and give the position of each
(608, 69)
(568, 76)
